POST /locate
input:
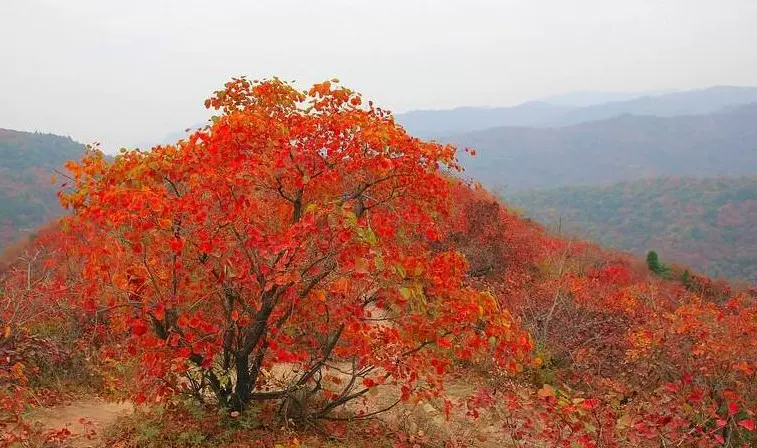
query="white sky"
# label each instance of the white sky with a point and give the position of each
(124, 72)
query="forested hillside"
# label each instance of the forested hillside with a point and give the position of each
(27, 197)
(619, 149)
(709, 224)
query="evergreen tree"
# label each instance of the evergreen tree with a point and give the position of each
(653, 262)
(687, 280)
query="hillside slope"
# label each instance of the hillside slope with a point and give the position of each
(620, 355)
(27, 197)
(376, 281)
(618, 149)
(708, 224)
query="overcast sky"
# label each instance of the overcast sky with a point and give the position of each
(124, 72)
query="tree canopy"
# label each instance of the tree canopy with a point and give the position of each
(297, 228)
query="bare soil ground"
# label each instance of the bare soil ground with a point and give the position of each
(86, 419)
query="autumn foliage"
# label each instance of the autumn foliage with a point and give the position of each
(627, 358)
(307, 230)
(298, 229)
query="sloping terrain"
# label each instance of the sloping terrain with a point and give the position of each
(623, 356)
(186, 275)
(708, 224)
(27, 196)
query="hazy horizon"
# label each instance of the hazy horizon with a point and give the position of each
(123, 74)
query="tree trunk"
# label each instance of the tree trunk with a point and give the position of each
(244, 387)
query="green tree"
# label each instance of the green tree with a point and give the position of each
(687, 280)
(653, 262)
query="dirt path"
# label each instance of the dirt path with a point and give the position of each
(415, 419)
(86, 420)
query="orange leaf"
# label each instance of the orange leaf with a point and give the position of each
(320, 295)
(160, 312)
(546, 391)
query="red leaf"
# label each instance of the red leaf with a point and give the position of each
(733, 408)
(138, 328)
(177, 244)
(89, 305)
(747, 424)
(672, 387)
(160, 311)
(590, 403)
(696, 395)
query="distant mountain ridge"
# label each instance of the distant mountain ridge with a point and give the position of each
(594, 98)
(623, 148)
(440, 123)
(557, 111)
(543, 114)
(27, 197)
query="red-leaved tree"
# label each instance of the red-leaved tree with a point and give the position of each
(296, 229)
